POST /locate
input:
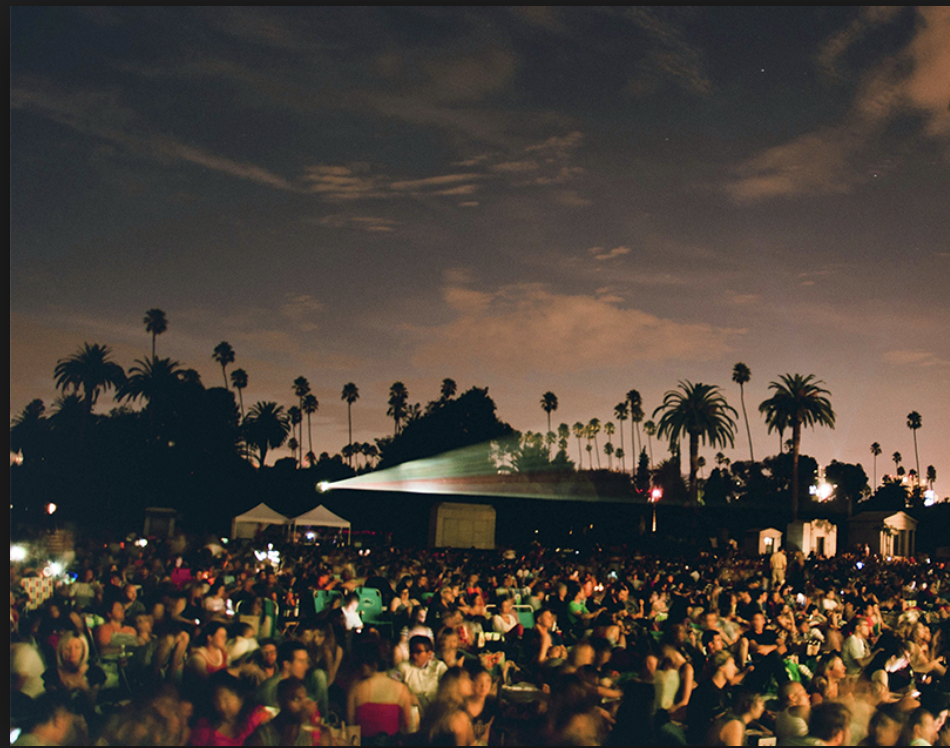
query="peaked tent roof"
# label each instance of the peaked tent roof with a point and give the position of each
(321, 517)
(262, 514)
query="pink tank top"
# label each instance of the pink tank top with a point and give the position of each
(376, 718)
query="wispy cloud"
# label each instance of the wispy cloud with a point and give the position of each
(525, 327)
(600, 253)
(372, 224)
(302, 311)
(101, 115)
(824, 162)
(670, 57)
(915, 357)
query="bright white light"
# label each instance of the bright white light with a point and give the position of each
(17, 553)
(51, 508)
(930, 497)
(141, 542)
(656, 494)
(323, 486)
(53, 569)
(311, 535)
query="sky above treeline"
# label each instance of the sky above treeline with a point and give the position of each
(579, 200)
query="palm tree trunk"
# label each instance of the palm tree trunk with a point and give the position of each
(349, 419)
(746, 416)
(623, 457)
(796, 443)
(917, 458)
(693, 466)
(310, 434)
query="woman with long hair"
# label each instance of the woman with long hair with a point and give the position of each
(233, 715)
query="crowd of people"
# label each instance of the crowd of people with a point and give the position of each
(158, 645)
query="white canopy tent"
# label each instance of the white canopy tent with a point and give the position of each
(244, 525)
(322, 517)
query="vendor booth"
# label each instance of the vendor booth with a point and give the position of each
(321, 517)
(246, 525)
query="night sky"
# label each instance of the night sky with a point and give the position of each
(571, 199)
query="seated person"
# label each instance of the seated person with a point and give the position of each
(114, 627)
(506, 622)
(422, 672)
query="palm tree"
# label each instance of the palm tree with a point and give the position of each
(448, 389)
(897, 458)
(701, 412)
(875, 450)
(622, 413)
(701, 463)
(579, 433)
(741, 374)
(593, 428)
(636, 415)
(155, 324)
(798, 401)
(914, 423)
(92, 370)
(398, 397)
(295, 415)
(154, 380)
(224, 355)
(351, 394)
(310, 406)
(650, 428)
(239, 381)
(931, 476)
(267, 427)
(29, 429)
(549, 405)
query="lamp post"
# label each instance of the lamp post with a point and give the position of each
(655, 495)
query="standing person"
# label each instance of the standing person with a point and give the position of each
(778, 563)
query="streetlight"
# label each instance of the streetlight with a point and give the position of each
(655, 495)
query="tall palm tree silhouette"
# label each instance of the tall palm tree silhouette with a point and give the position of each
(310, 406)
(650, 428)
(295, 415)
(579, 432)
(398, 397)
(351, 394)
(224, 355)
(155, 324)
(700, 412)
(636, 415)
(549, 405)
(741, 374)
(593, 428)
(875, 450)
(621, 413)
(798, 401)
(914, 423)
(239, 382)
